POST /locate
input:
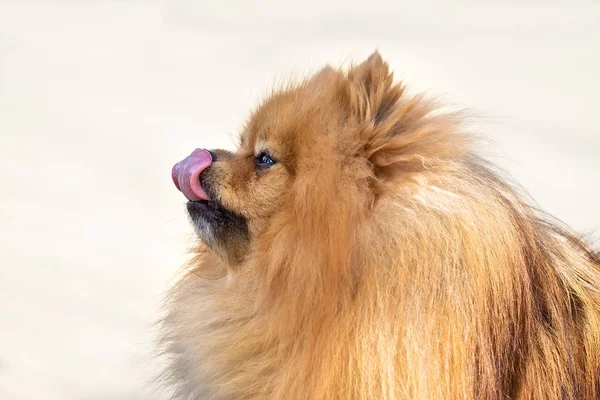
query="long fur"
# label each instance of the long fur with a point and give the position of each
(416, 272)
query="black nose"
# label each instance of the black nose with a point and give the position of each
(213, 155)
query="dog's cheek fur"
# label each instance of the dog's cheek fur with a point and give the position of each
(253, 193)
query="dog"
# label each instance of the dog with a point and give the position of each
(368, 251)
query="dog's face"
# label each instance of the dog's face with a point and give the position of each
(240, 191)
(244, 188)
(287, 145)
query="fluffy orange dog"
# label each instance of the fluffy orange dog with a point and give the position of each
(371, 254)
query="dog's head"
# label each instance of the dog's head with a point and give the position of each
(315, 156)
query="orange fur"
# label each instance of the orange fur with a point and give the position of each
(389, 262)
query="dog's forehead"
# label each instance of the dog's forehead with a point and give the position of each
(307, 111)
(280, 117)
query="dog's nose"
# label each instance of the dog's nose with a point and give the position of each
(186, 174)
(213, 155)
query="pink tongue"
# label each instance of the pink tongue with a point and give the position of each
(186, 174)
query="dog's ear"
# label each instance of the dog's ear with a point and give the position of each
(400, 133)
(373, 90)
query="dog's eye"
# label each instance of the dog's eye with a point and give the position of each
(264, 161)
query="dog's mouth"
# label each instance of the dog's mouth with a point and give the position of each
(220, 228)
(213, 212)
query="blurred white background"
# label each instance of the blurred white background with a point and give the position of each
(99, 98)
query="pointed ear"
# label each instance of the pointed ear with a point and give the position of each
(399, 133)
(373, 91)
